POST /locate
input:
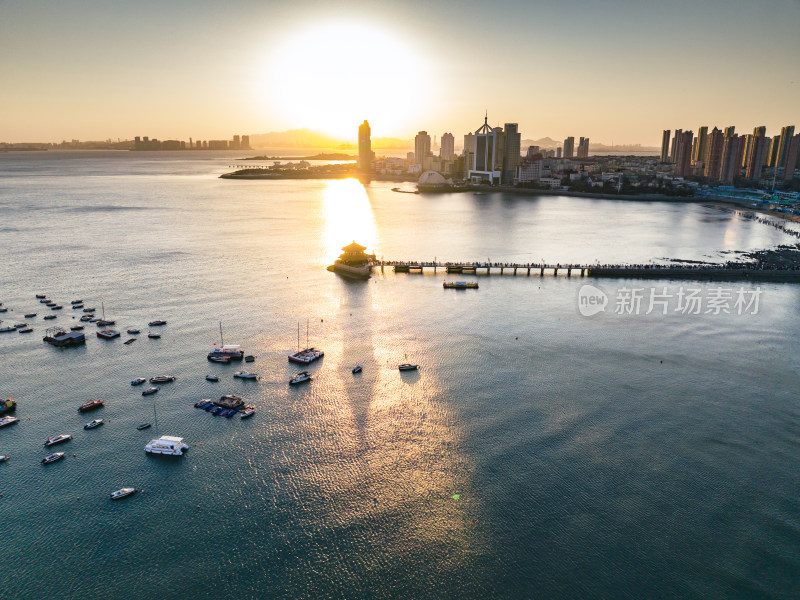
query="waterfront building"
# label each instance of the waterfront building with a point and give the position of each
(422, 146)
(701, 147)
(487, 151)
(245, 142)
(569, 147)
(511, 151)
(665, 145)
(683, 154)
(365, 154)
(792, 157)
(448, 148)
(713, 161)
(787, 133)
(217, 144)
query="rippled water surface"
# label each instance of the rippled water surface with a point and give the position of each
(536, 453)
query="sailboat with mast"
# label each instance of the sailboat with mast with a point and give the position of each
(105, 322)
(225, 354)
(308, 355)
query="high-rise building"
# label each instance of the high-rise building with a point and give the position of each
(422, 147)
(787, 133)
(365, 155)
(673, 153)
(792, 157)
(713, 161)
(448, 148)
(665, 145)
(701, 147)
(487, 149)
(729, 131)
(748, 142)
(245, 142)
(512, 148)
(772, 153)
(732, 150)
(758, 150)
(569, 147)
(683, 154)
(583, 148)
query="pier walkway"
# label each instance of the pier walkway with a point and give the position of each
(707, 272)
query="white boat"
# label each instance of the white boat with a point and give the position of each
(229, 352)
(224, 360)
(93, 424)
(9, 420)
(408, 367)
(167, 445)
(138, 381)
(58, 440)
(245, 375)
(123, 493)
(51, 458)
(248, 412)
(308, 355)
(4, 458)
(300, 378)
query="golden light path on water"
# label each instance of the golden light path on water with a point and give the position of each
(347, 216)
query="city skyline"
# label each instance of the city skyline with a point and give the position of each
(617, 73)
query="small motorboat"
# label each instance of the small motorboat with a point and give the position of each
(20, 326)
(56, 307)
(150, 391)
(408, 367)
(105, 322)
(44, 300)
(245, 375)
(133, 332)
(138, 381)
(49, 317)
(300, 378)
(6, 421)
(59, 439)
(357, 369)
(84, 318)
(249, 358)
(213, 378)
(93, 424)
(108, 334)
(25, 330)
(123, 493)
(91, 405)
(94, 319)
(51, 304)
(156, 323)
(51, 458)
(4, 458)
(30, 315)
(162, 379)
(129, 341)
(7, 329)
(143, 426)
(76, 302)
(224, 360)
(41, 296)
(77, 306)
(89, 309)
(154, 336)
(3, 309)
(248, 412)
(202, 403)
(77, 328)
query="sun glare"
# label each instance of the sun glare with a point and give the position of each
(348, 217)
(335, 75)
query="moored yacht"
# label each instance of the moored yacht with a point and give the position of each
(150, 391)
(167, 445)
(138, 381)
(51, 458)
(300, 378)
(91, 405)
(123, 493)
(108, 334)
(162, 379)
(245, 375)
(6, 421)
(93, 424)
(58, 440)
(156, 323)
(408, 367)
(248, 412)
(229, 353)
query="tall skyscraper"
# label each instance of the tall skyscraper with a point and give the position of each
(448, 149)
(665, 145)
(513, 143)
(683, 154)
(569, 147)
(701, 147)
(729, 131)
(772, 153)
(787, 133)
(583, 148)
(422, 147)
(732, 150)
(792, 157)
(748, 142)
(713, 161)
(758, 150)
(364, 148)
(484, 164)
(673, 152)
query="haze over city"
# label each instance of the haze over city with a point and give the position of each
(617, 72)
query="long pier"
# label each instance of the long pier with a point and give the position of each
(702, 273)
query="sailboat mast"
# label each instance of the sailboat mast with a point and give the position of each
(221, 341)
(306, 333)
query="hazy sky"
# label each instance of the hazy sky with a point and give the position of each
(618, 70)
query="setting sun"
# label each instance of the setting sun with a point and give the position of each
(331, 77)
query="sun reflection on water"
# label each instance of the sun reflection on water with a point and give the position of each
(348, 217)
